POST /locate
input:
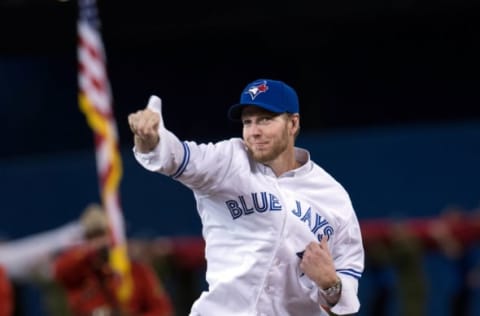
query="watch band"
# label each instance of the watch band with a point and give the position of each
(333, 290)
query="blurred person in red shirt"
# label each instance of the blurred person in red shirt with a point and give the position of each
(6, 294)
(456, 233)
(90, 282)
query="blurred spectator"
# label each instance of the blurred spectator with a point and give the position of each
(185, 255)
(456, 233)
(180, 261)
(29, 257)
(394, 255)
(6, 294)
(90, 283)
(473, 275)
(406, 251)
(378, 265)
(27, 262)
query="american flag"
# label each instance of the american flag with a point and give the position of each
(95, 100)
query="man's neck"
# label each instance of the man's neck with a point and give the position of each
(284, 163)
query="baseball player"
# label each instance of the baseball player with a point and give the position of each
(281, 235)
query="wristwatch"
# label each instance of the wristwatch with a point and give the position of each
(334, 289)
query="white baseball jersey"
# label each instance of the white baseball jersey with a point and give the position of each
(255, 223)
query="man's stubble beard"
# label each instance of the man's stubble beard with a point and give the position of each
(278, 148)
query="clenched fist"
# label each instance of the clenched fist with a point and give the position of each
(317, 263)
(144, 125)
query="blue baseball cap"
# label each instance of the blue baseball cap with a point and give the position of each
(271, 95)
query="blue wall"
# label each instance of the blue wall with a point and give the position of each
(413, 170)
(403, 171)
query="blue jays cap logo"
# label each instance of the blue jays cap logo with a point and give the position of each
(257, 89)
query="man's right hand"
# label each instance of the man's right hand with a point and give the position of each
(144, 125)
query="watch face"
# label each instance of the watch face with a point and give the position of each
(333, 290)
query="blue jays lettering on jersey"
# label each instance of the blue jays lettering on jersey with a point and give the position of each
(247, 205)
(256, 225)
(261, 202)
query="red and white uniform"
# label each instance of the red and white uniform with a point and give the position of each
(91, 291)
(255, 223)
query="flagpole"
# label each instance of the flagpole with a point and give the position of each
(95, 101)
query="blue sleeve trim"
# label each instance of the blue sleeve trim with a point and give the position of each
(183, 165)
(350, 272)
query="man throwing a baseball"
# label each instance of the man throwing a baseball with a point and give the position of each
(282, 237)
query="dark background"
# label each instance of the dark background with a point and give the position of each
(388, 92)
(353, 64)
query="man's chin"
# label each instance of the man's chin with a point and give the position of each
(261, 157)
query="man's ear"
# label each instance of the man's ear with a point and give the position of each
(295, 121)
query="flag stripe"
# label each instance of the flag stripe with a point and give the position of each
(95, 101)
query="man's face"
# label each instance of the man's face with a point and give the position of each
(266, 134)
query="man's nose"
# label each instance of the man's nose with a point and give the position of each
(255, 129)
